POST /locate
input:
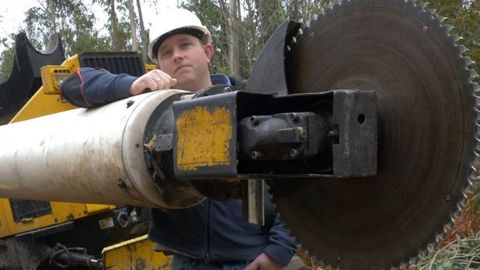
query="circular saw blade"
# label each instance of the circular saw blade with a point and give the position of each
(426, 140)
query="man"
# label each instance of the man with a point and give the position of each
(211, 235)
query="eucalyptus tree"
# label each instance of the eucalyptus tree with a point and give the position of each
(118, 26)
(72, 19)
(464, 15)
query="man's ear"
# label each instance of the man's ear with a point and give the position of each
(208, 49)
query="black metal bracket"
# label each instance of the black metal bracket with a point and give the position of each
(335, 135)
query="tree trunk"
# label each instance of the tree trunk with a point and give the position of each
(133, 25)
(51, 15)
(233, 50)
(116, 39)
(143, 33)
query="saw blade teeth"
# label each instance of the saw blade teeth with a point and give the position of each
(412, 262)
(457, 38)
(473, 74)
(449, 27)
(422, 253)
(424, 5)
(476, 170)
(469, 61)
(476, 151)
(460, 206)
(452, 219)
(470, 188)
(300, 31)
(439, 237)
(447, 228)
(456, 214)
(463, 49)
(476, 87)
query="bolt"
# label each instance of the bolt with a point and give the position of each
(332, 133)
(254, 155)
(121, 184)
(137, 145)
(447, 197)
(254, 121)
(302, 133)
(361, 118)
(295, 117)
(293, 152)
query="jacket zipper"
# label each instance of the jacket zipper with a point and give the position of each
(209, 230)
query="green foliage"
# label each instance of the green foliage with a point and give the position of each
(72, 20)
(258, 20)
(464, 15)
(7, 56)
(118, 25)
(210, 13)
(457, 255)
(75, 21)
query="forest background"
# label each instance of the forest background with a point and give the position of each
(240, 29)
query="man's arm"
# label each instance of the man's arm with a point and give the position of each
(279, 252)
(89, 87)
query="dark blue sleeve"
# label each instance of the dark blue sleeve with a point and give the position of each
(282, 246)
(89, 87)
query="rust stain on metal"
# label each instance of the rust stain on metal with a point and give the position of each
(140, 264)
(203, 137)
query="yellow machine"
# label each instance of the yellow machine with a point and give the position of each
(27, 226)
(363, 123)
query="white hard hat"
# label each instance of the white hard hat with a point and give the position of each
(175, 21)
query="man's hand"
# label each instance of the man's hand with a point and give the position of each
(263, 262)
(153, 80)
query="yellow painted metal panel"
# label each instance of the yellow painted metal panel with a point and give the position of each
(150, 67)
(135, 254)
(98, 208)
(43, 104)
(203, 137)
(61, 212)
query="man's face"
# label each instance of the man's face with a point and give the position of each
(184, 58)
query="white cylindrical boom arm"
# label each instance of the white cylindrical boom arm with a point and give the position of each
(84, 155)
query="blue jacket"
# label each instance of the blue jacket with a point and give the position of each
(212, 230)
